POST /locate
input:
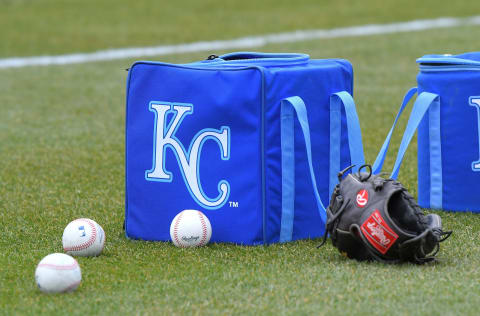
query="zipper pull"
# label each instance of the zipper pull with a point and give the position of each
(212, 57)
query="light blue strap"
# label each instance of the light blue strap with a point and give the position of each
(288, 171)
(378, 164)
(436, 178)
(288, 106)
(354, 135)
(431, 102)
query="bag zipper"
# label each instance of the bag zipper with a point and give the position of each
(443, 67)
(263, 59)
(439, 63)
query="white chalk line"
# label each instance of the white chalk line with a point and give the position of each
(243, 42)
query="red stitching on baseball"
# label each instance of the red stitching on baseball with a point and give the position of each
(89, 242)
(204, 229)
(57, 267)
(175, 230)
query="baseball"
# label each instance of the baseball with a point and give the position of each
(83, 237)
(190, 228)
(58, 273)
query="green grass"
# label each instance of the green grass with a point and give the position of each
(57, 26)
(62, 157)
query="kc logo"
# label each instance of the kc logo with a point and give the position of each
(475, 101)
(188, 160)
(82, 229)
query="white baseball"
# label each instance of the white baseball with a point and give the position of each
(190, 228)
(58, 273)
(83, 237)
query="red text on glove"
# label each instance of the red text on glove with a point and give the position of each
(378, 233)
(362, 198)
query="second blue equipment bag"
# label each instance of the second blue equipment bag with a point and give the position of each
(253, 140)
(447, 114)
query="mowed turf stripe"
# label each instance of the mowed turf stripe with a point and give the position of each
(243, 42)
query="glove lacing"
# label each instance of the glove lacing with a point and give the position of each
(332, 220)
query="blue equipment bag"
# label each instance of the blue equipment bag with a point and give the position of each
(231, 136)
(447, 114)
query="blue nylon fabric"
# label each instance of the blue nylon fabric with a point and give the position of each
(314, 84)
(354, 135)
(152, 205)
(453, 184)
(288, 106)
(419, 109)
(246, 161)
(378, 164)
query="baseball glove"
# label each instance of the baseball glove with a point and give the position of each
(372, 218)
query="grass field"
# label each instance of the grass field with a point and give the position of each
(62, 157)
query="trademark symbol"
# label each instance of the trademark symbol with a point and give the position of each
(232, 204)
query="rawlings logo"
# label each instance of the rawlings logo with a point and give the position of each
(190, 239)
(188, 160)
(362, 198)
(378, 233)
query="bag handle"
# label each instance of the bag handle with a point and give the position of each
(337, 100)
(425, 101)
(378, 164)
(288, 107)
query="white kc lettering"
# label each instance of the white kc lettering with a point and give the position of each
(164, 137)
(475, 101)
